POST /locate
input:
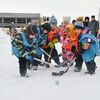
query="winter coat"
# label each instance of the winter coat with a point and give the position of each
(93, 49)
(52, 38)
(94, 27)
(69, 38)
(23, 47)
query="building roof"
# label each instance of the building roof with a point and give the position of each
(20, 15)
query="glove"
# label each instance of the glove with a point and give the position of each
(51, 44)
(28, 57)
(73, 49)
(55, 41)
(86, 46)
(81, 49)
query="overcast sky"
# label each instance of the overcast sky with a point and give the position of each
(58, 8)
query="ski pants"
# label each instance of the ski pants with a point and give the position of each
(22, 66)
(35, 62)
(91, 65)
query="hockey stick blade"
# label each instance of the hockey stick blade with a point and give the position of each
(55, 74)
(60, 73)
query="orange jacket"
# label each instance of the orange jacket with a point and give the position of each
(70, 37)
(51, 35)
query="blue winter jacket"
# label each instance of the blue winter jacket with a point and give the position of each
(27, 47)
(93, 49)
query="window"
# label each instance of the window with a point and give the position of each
(28, 20)
(21, 20)
(0, 20)
(9, 20)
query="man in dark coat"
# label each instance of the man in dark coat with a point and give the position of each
(94, 26)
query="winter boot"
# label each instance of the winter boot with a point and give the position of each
(35, 67)
(76, 69)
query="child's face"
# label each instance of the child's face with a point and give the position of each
(78, 31)
(87, 20)
(45, 31)
(31, 36)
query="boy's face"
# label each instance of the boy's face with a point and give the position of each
(31, 36)
(78, 31)
(45, 31)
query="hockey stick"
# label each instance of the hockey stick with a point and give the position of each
(60, 73)
(43, 61)
(44, 52)
(59, 55)
(49, 58)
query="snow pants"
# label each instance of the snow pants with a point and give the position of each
(22, 66)
(91, 65)
(54, 55)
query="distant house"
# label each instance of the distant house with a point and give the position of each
(18, 18)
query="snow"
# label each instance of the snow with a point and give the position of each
(41, 85)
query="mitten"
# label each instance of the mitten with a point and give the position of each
(28, 57)
(73, 49)
(51, 44)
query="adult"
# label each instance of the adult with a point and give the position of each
(94, 26)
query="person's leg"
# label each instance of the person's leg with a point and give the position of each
(79, 62)
(55, 56)
(28, 64)
(35, 63)
(22, 66)
(91, 66)
(46, 58)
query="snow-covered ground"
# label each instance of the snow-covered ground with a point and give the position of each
(41, 85)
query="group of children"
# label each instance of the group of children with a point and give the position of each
(34, 41)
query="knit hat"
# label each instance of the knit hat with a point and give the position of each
(79, 25)
(53, 20)
(46, 26)
(31, 29)
(66, 19)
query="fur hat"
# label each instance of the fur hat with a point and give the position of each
(79, 25)
(80, 19)
(53, 20)
(31, 29)
(46, 26)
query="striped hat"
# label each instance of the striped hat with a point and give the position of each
(79, 25)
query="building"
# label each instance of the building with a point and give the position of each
(18, 18)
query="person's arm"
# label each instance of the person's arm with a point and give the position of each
(97, 26)
(17, 42)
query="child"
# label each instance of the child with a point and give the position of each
(24, 47)
(98, 36)
(49, 47)
(69, 41)
(88, 49)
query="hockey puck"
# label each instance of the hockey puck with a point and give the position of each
(57, 82)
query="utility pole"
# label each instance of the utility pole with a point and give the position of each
(99, 17)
